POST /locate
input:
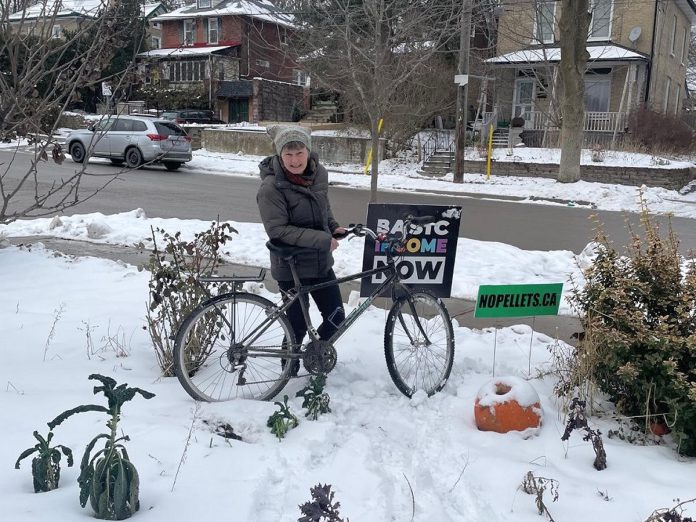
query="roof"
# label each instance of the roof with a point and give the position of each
(148, 10)
(178, 52)
(74, 8)
(598, 53)
(235, 89)
(62, 9)
(260, 9)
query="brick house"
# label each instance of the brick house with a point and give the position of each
(235, 50)
(638, 56)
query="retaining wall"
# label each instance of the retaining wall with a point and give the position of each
(331, 149)
(672, 179)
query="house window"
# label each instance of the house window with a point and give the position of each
(56, 31)
(685, 47)
(189, 32)
(283, 36)
(677, 96)
(263, 63)
(600, 25)
(668, 87)
(145, 72)
(156, 42)
(597, 92)
(299, 77)
(673, 46)
(544, 22)
(187, 71)
(212, 30)
(203, 4)
(156, 25)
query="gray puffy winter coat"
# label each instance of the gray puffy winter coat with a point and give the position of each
(298, 216)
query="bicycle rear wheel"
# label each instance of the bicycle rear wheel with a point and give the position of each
(417, 361)
(213, 364)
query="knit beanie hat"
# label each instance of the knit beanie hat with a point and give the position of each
(282, 135)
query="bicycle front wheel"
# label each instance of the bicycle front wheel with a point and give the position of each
(229, 348)
(419, 343)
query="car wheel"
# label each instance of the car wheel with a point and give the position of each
(77, 151)
(117, 162)
(172, 165)
(133, 158)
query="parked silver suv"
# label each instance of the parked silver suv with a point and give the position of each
(132, 139)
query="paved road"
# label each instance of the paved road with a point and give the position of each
(188, 194)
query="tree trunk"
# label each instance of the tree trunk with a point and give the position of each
(573, 27)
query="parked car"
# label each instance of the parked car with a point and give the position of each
(133, 140)
(191, 116)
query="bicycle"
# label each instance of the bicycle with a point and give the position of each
(241, 345)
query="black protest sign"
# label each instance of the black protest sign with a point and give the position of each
(427, 260)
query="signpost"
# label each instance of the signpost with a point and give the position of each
(518, 301)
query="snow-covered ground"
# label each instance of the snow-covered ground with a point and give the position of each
(387, 457)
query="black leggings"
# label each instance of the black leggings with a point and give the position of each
(328, 301)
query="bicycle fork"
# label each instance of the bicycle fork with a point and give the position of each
(416, 318)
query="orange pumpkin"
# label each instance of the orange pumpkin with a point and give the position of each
(507, 404)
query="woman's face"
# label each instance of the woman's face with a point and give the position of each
(295, 160)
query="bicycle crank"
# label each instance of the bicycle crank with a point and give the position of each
(319, 357)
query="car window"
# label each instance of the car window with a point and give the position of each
(104, 125)
(122, 125)
(164, 128)
(139, 126)
(169, 115)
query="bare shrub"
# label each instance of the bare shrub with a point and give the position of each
(656, 132)
(174, 287)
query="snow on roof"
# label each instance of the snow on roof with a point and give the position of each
(261, 9)
(184, 51)
(150, 9)
(553, 54)
(61, 9)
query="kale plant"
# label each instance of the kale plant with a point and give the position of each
(45, 467)
(108, 478)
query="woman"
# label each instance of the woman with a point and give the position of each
(294, 204)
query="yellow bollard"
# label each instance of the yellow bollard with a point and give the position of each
(369, 151)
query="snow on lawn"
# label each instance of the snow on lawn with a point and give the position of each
(387, 457)
(477, 262)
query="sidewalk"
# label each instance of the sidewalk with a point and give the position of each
(561, 327)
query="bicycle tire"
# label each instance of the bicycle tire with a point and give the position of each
(205, 368)
(414, 366)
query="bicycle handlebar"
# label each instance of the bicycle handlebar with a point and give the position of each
(360, 230)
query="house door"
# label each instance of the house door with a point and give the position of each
(238, 110)
(523, 103)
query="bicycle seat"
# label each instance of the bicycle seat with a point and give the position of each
(283, 249)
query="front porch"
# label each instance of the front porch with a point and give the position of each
(542, 129)
(527, 92)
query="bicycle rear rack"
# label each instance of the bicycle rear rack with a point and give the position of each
(234, 278)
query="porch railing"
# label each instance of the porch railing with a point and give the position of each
(593, 122)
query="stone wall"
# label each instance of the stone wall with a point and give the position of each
(672, 179)
(274, 100)
(331, 149)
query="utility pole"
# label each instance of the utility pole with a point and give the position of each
(462, 90)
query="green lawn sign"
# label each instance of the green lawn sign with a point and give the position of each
(518, 300)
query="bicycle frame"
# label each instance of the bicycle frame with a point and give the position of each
(391, 282)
